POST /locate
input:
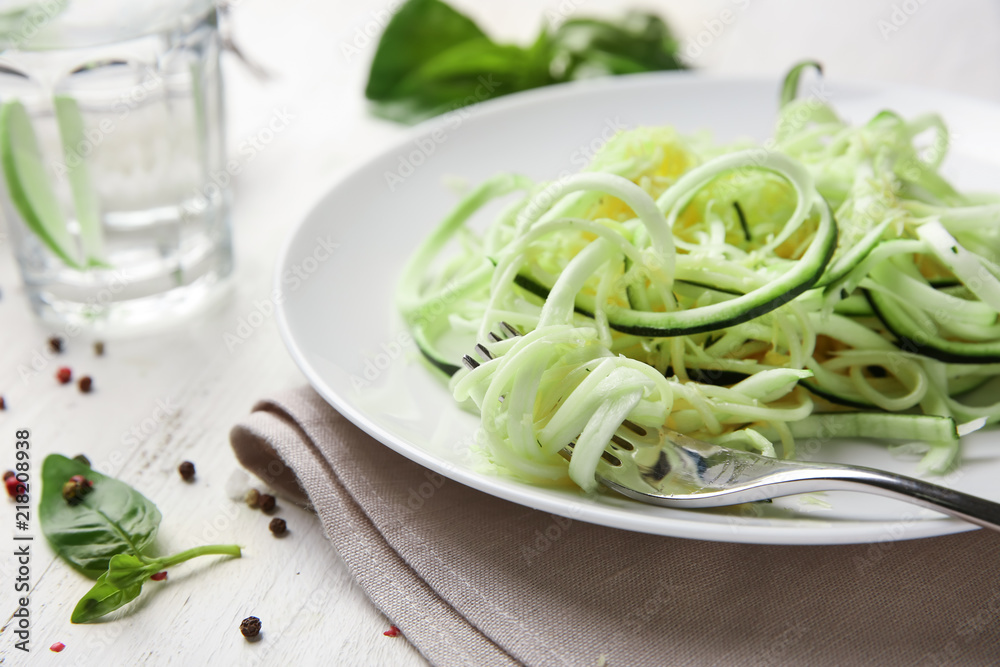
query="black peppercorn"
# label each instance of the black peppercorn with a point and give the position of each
(278, 527)
(80, 458)
(86, 383)
(55, 344)
(186, 469)
(266, 502)
(250, 627)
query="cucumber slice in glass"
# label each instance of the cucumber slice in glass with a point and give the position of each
(31, 193)
(85, 202)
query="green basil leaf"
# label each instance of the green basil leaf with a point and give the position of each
(637, 43)
(112, 519)
(471, 72)
(432, 58)
(126, 570)
(418, 32)
(103, 599)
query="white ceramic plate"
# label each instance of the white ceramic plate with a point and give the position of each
(338, 320)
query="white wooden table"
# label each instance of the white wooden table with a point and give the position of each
(173, 395)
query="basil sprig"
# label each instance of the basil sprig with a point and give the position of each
(432, 58)
(106, 535)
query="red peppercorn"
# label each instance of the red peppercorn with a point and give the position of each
(57, 647)
(393, 631)
(86, 383)
(64, 375)
(14, 487)
(159, 576)
(82, 481)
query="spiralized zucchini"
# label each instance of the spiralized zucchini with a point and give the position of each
(831, 285)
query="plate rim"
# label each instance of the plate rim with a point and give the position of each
(834, 532)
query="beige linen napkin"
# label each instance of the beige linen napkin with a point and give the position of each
(474, 580)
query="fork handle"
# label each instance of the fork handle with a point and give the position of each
(971, 508)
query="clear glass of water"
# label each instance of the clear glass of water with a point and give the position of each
(111, 126)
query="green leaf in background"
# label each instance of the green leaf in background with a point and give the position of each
(431, 58)
(112, 519)
(637, 43)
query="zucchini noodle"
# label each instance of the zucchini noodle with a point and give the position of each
(831, 285)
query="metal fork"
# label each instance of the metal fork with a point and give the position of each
(664, 467)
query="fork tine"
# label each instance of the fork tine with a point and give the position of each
(483, 352)
(635, 428)
(510, 329)
(469, 362)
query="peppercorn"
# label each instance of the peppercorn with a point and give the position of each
(76, 488)
(278, 527)
(85, 384)
(55, 344)
(250, 627)
(266, 502)
(8, 474)
(81, 481)
(57, 647)
(64, 375)
(80, 458)
(98, 348)
(159, 576)
(14, 487)
(252, 498)
(3, 403)
(393, 631)
(186, 469)
(71, 492)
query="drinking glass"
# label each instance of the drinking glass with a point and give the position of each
(111, 124)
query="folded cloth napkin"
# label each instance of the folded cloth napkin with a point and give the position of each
(474, 580)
